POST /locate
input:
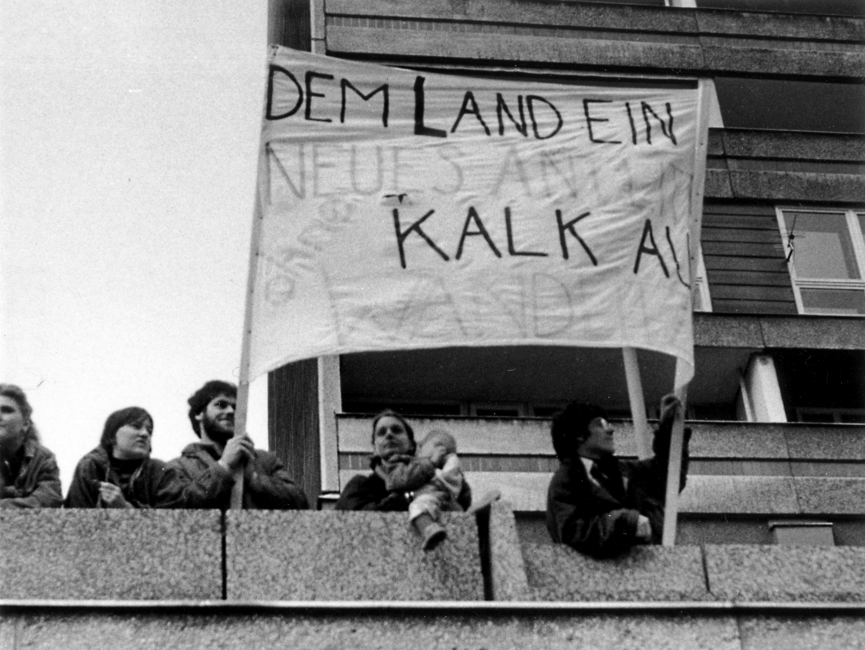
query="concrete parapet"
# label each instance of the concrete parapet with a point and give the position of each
(646, 573)
(786, 573)
(274, 555)
(507, 568)
(110, 554)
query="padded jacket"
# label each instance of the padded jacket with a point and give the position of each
(266, 483)
(152, 485)
(602, 521)
(37, 484)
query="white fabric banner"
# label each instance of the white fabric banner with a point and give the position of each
(404, 210)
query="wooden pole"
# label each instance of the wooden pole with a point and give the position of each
(638, 405)
(240, 414)
(677, 436)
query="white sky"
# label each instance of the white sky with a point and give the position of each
(128, 139)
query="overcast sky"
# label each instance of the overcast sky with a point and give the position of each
(129, 135)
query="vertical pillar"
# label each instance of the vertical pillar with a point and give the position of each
(761, 381)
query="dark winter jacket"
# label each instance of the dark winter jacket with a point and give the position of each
(266, 483)
(37, 484)
(602, 521)
(153, 484)
(388, 488)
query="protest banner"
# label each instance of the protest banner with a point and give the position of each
(400, 210)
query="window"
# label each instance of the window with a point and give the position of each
(826, 257)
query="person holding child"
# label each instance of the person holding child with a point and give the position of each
(398, 475)
(601, 505)
(120, 473)
(441, 493)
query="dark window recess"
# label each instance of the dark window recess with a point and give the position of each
(791, 105)
(822, 385)
(404, 408)
(855, 8)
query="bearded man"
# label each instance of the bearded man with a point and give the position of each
(208, 466)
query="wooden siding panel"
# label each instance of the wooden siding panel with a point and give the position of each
(737, 249)
(293, 423)
(747, 222)
(751, 292)
(743, 235)
(755, 264)
(744, 277)
(752, 307)
(744, 257)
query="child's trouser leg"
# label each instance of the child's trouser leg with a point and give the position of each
(423, 513)
(432, 532)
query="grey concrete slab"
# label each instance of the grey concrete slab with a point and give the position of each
(786, 573)
(831, 496)
(792, 146)
(821, 332)
(646, 573)
(802, 633)
(507, 567)
(490, 46)
(7, 632)
(769, 58)
(273, 555)
(738, 440)
(739, 495)
(523, 13)
(790, 186)
(816, 442)
(111, 554)
(382, 631)
(776, 25)
(725, 331)
(718, 184)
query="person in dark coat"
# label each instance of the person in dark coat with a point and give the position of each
(208, 466)
(29, 476)
(396, 471)
(601, 505)
(120, 473)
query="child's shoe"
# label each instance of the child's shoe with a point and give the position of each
(434, 535)
(431, 532)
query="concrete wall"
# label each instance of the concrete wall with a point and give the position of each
(58, 565)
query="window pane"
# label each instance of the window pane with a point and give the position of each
(822, 247)
(833, 301)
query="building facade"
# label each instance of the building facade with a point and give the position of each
(778, 400)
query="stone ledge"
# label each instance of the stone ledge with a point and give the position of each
(646, 573)
(111, 554)
(786, 573)
(273, 555)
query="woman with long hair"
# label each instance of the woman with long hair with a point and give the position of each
(120, 473)
(29, 477)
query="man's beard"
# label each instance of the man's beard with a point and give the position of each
(216, 432)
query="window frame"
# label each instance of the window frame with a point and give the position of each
(857, 242)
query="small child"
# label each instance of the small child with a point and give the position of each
(441, 493)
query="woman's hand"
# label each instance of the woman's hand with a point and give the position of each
(111, 496)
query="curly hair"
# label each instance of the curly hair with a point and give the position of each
(570, 428)
(203, 396)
